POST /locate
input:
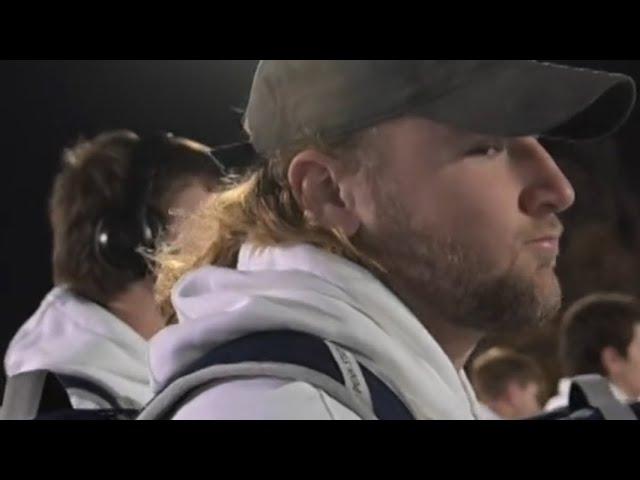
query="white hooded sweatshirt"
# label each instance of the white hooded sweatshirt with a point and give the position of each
(303, 288)
(74, 336)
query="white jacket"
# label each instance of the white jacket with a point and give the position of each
(74, 336)
(303, 288)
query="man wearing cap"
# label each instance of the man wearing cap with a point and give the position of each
(401, 210)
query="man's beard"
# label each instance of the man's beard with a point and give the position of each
(446, 278)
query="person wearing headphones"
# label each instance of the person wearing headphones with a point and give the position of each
(116, 197)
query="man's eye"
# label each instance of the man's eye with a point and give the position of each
(489, 150)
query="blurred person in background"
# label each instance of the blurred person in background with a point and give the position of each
(116, 196)
(600, 334)
(508, 384)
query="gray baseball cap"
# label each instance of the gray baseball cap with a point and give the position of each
(293, 99)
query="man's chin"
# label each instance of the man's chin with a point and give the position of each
(549, 295)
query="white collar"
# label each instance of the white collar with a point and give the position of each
(367, 293)
(72, 335)
(304, 288)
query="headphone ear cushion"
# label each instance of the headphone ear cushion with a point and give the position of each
(116, 245)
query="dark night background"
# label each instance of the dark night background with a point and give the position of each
(46, 105)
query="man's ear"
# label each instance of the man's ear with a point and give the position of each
(318, 188)
(610, 360)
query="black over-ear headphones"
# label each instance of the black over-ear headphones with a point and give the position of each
(121, 233)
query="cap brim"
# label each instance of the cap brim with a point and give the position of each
(522, 98)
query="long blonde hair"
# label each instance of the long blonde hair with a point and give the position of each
(259, 208)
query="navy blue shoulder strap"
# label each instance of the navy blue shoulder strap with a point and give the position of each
(55, 403)
(54, 396)
(71, 381)
(591, 398)
(304, 350)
